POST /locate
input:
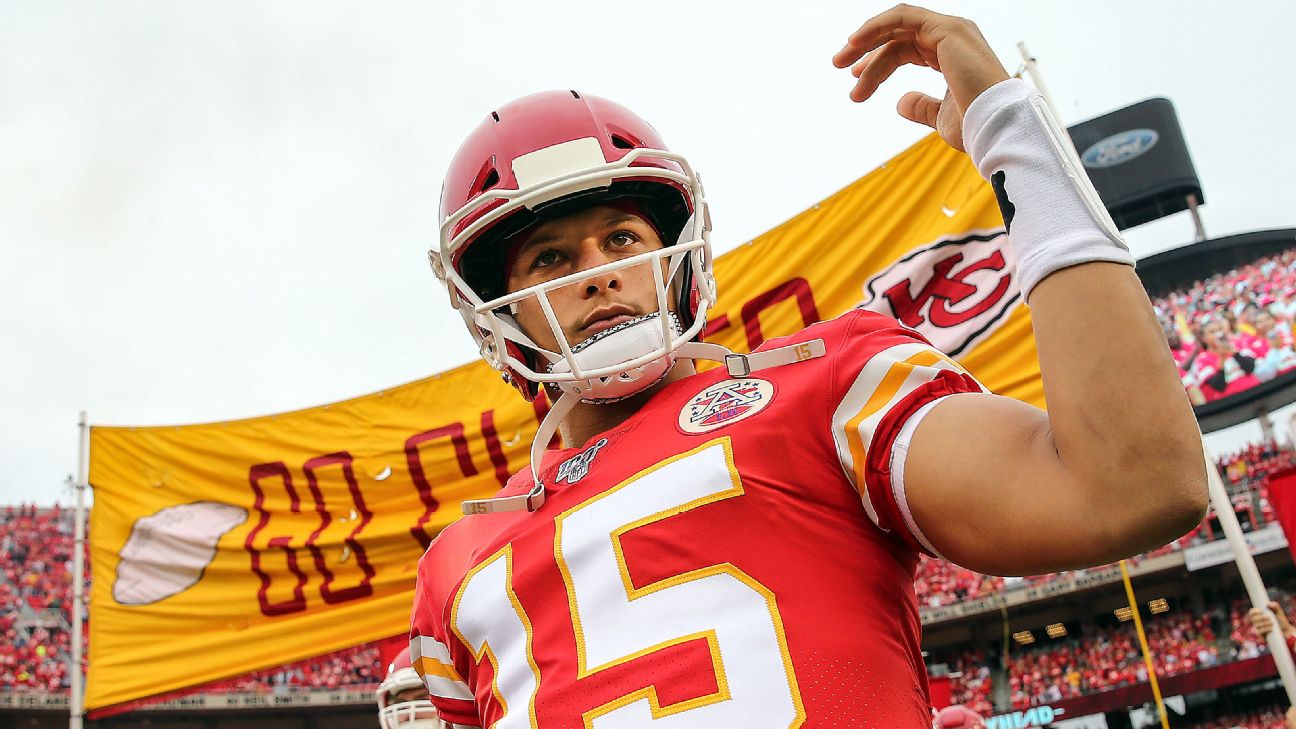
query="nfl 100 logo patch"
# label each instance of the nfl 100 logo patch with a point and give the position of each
(724, 403)
(578, 466)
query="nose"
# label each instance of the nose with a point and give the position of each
(591, 287)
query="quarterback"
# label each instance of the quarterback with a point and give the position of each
(736, 547)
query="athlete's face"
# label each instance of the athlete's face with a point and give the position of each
(579, 242)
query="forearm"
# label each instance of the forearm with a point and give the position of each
(1119, 416)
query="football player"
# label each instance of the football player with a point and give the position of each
(736, 547)
(403, 700)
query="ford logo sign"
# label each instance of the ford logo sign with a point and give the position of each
(1119, 148)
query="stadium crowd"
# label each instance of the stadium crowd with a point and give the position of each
(1233, 330)
(1252, 464)
(1244, 642)
(971, 683)
(1106, 657)
(1103, 657)
(36, 549)
(1266, 718)
(36, 592)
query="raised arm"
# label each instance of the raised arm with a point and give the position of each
(1116, 466)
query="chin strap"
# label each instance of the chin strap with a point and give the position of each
(738, 365)
(742, 365)
(535, 498)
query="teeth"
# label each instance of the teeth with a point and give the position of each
(616, 328)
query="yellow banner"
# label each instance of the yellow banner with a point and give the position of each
(226, 548)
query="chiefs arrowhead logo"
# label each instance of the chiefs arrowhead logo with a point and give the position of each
(954, 291)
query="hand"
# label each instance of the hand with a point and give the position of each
(906, 34)
(1283, 623)
(1262, 621)
(1291, 718)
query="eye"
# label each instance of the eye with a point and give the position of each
(623, 238)
(547, 257)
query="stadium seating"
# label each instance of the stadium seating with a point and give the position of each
(1106, 657)
(35, 595)
(35, 617)
(1102, 658)
(1267, 282)
(1247, 312)
(971, 684)
(1267, 718)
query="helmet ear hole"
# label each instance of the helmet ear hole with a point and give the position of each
(487, 177)
(623, 138)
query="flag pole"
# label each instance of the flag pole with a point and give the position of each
(1028, 64)
(1255, 587)
(77, 702)
(1218, 496)
(1143, 644)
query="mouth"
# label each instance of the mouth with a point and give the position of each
(605, 318)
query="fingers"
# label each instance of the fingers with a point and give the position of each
(878, 66)
(902, 21)
(1261, 620)
(919, 107)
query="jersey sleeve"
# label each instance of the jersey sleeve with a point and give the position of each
(884, 378)
(430, 653)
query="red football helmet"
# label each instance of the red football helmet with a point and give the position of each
(545, 156)
(401, 712)
(957, 717)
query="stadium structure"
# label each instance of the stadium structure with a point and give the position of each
(1059, 650)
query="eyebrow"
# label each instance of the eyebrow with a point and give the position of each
(616, 219)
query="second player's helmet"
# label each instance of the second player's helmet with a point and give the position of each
(545, 156)
(397, 713)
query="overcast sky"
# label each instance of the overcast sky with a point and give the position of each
(217, 210)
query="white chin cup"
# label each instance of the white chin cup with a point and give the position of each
(621, 343)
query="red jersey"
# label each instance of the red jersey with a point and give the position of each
(732, 555)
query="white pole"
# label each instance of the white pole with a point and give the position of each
(1250, 575)
(1218, 496)
(1028, 62)
(77, 703)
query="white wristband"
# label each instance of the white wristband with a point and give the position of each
(1054, 216)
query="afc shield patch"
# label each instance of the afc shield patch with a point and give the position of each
(724, 403)
(954, 291)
